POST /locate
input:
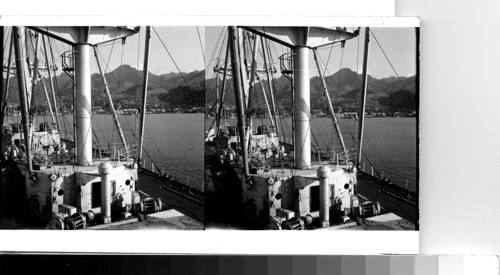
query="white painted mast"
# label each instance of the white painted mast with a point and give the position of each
(144, 94)
(83, 103)
(23, 97)
(302, 95)
(363, 97)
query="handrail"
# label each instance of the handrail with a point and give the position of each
(286, 64)
(68, 62)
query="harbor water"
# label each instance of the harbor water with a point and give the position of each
(389, 144)
(173, 142)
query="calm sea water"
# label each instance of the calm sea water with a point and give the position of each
(390, 144)
(173, 141)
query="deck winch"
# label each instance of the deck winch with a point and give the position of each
(369, 209)
(150, 205)
(297, 223)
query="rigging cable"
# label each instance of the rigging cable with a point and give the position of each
(399, 78)
(201, 44)
(60, 101)
(164, 46)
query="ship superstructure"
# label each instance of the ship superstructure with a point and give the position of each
(77, 184)
(275, 184)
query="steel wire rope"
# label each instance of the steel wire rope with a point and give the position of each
(171, 57)
(273, 83)
(115, 80)
(201, 44)
(390, 63)
(59, 97)
(211, 80)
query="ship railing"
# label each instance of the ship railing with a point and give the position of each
(115, 151)
(174, 175)
(336, 155)
(68, 62)
(44, 65)
(286, 64)
(390, 177)
(261, 67)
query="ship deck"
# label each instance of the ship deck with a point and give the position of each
(149, 184)
(181, 210)
(399, 214)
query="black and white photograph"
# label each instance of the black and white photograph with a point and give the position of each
(102, 127)
(311, 128)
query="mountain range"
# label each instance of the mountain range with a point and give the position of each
(344, 88)
(125, 85)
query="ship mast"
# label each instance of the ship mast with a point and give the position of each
(363, 96)
(2, 29)
(238, 93)
(301, 40)
(302, 95)
(223, 92)
(52, 90)
(144, 94)
(83, 39)
(83, 102)
(23, 97)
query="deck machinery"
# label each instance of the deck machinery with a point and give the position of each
(80, 185)
(299, 195)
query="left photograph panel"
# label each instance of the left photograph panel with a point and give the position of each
(91, 141)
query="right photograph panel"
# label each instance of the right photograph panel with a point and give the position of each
(311, 128)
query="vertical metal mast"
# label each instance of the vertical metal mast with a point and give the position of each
(2, 90)
(253, 66)
(49, 71)
(240, 104)
(22, 95)
(302, 146)
(111, 106)
(34, 72)
(144, 94)
(269, 85)
(7, 82)
(83, 102)
(223, 92)
(330, 106)
(363, 96)
(217, 97)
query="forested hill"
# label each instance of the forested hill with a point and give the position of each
(344, 86)
(173, 90)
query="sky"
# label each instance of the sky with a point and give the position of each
(398, 44)
(185, 46)
(183, 43)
